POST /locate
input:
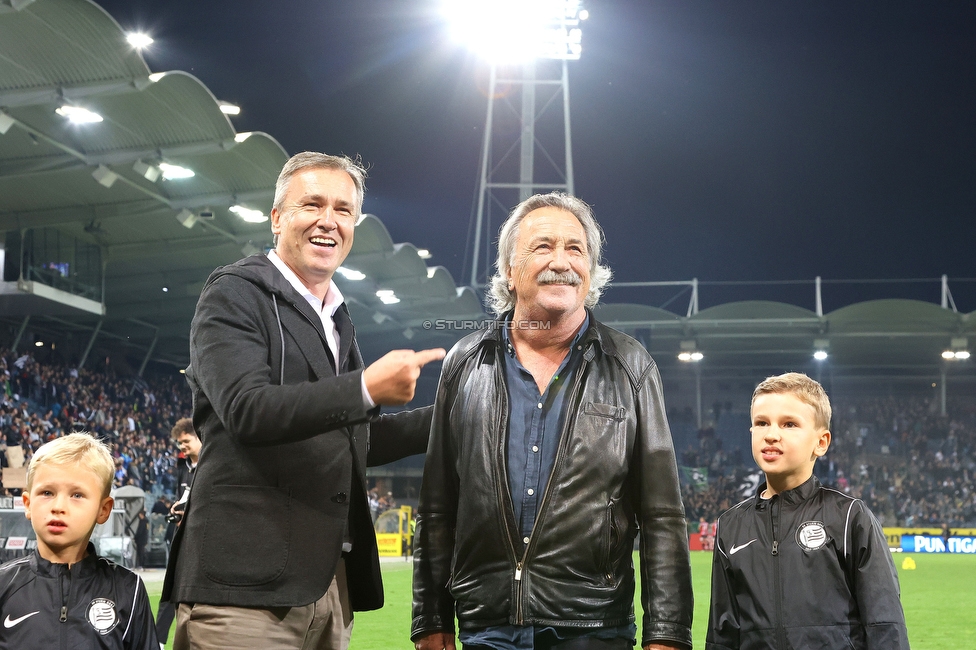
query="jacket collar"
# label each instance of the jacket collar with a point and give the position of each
(262, 272)
(592, 338)
(797, 495)
(53, 569)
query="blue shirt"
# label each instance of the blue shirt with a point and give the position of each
(535, 426)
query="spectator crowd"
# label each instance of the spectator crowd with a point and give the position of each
(911, 465)
(39, 402)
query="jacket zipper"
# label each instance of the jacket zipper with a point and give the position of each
(774, 512)
(545, 501)
(64, 601)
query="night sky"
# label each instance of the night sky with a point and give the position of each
(726, 140)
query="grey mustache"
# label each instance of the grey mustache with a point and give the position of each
(571, 278)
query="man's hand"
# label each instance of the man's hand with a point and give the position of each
(435, 641)
(392, 379)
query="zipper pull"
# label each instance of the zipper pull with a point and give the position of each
(64, 613)
(775, 547)
(518, 572)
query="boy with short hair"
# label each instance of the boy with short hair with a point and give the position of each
(800, 565)
(63, 595)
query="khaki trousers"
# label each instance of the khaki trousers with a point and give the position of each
(326, 624)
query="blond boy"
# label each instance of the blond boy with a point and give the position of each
(64, 595)
(800, 565)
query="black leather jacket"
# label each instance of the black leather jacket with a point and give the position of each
(614, 473)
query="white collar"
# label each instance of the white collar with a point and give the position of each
(333, 297)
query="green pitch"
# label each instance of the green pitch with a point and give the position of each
(938, 597)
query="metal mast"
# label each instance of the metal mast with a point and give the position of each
(527, 145)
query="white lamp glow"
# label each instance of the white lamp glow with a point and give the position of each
(514, 31)
(78, 115)
(248, 215)
(387, 297)
(139, 40)
(175, 172)
(351, 274)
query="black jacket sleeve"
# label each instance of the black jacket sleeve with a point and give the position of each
(397, 435)
(666, 591)
(433, 605)
(723, 617)
(875, 583)
(141, 634)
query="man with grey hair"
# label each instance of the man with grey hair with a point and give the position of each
(277, 542)
(549, 450)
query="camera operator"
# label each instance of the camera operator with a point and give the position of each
(189, 444)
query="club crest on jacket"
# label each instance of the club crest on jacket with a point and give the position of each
(811, 535)
(101, 615)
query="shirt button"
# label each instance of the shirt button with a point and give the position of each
(530, 491)
(540, 405)
(525, 540)
(535, 448)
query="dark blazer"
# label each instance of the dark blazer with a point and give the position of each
(286, 440)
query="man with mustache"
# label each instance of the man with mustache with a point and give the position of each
(549, 450)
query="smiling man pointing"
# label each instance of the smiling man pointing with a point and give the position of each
(278, 546)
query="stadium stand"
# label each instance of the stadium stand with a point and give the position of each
(910, 464)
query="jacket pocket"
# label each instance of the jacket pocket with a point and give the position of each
(245, 539)
(608, 411)
(611, 537)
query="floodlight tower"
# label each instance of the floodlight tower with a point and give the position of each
(528, 44)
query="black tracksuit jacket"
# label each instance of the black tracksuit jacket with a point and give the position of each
(809, 568)
(95, 604)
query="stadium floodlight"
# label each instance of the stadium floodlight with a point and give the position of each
(150, 172)
(249, 215)
(105, 176)
(241, 137)
(139, 40)
(689, 352)
(39, 344)
(948, 354)
(387, 296)
(175, 172)
(423, 253)
(962, 354)
(186, 218)
(156, 76)
(78, 115)
(229, 109)
(820, 347)
(516, 31)
(351, 274)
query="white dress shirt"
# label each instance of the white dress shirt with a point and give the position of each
(326, 310)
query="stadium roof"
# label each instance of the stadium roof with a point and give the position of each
(900, 336)
(95, 191)
(91, 192)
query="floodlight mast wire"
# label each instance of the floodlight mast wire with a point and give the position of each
(559, 38)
